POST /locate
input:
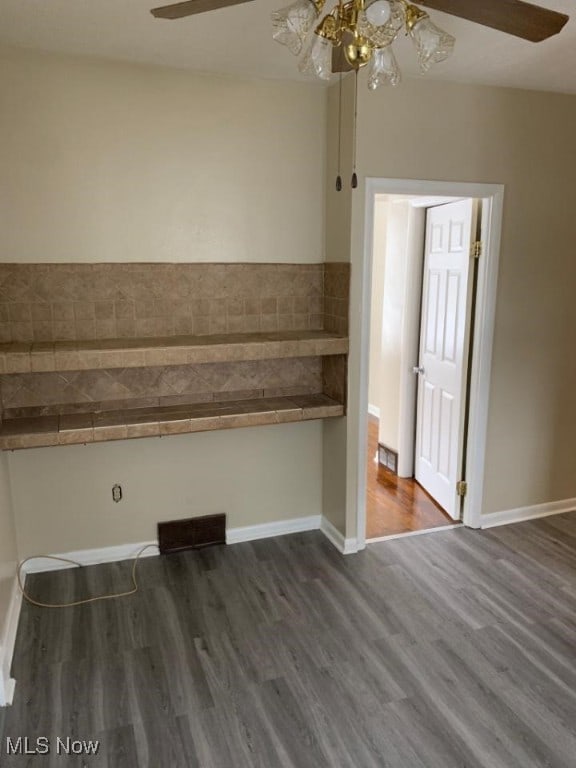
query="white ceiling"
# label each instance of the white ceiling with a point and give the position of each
(237, 41)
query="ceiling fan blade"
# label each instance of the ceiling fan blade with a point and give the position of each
(530, 22)
(191, 7)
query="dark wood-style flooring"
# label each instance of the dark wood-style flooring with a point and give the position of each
(448, 651)
(394, 504)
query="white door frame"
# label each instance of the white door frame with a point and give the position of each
(492, 196)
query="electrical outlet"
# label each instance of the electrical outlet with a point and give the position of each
(117, 493)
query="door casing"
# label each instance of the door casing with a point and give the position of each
(492, 196)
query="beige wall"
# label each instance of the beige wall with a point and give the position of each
(255, 475)
(338, 211)
(338, 228)
(114, 162)
(435, 130)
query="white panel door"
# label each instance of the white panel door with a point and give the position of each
(443, 357)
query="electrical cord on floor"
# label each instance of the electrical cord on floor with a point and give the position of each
(31, 600)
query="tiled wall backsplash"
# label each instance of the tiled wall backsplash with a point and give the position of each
(74, 302)
(38, 394)
(336, 297)
(334, 377)
(59, 302)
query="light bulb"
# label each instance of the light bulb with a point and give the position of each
(378, 12)
(318, 58)
(384, 69)
(381, 22)
(432, 43)
(292, 24)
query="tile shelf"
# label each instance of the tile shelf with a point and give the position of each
(148, 375)
(45, 431)
(39, 357)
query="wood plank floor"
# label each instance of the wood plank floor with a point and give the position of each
(454, 650)
(394, 504)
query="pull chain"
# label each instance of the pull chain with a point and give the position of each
(339, 177)
(354, 176)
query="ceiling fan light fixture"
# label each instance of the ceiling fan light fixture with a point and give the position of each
(291, 24)
(381, 34)
(378, 12)
(329, 28)
(384, 69)
(348, 37)
(318, 58)
(359, 52)
(433, 44)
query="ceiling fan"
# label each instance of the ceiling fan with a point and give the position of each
(357, 32)
(515, 17)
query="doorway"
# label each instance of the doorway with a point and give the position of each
(422, 295)
(397, 467)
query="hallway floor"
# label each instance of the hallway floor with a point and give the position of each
(393, 504)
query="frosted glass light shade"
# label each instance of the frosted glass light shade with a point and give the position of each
(292, 24)
(378, 12)
(318, 58)
(384, 69)
(381, 22)
(432, 43)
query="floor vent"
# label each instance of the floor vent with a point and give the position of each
(388, 458)
(179, 535)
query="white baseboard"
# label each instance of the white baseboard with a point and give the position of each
(7, 643)
(233, 536)
(343, 545)
(373, 410)
(92, 557)
(268, 530)
(527, 513)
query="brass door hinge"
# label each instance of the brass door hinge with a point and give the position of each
(461, 487)
(477, 249)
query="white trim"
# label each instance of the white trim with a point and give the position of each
(92, 557)
(267, 530)
(373, 410)
(492, 196)
(8, 641)
(343, 545)
(479, 395)
(431, 202)
(528, 513)
(437, 529)
(129, 551)
(365, 322)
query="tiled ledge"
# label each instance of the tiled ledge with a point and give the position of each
(47, 431)
(173, 350)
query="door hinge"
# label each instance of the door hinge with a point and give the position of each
(461, 487)
(477, 249)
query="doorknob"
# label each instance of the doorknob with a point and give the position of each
(418, 369)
